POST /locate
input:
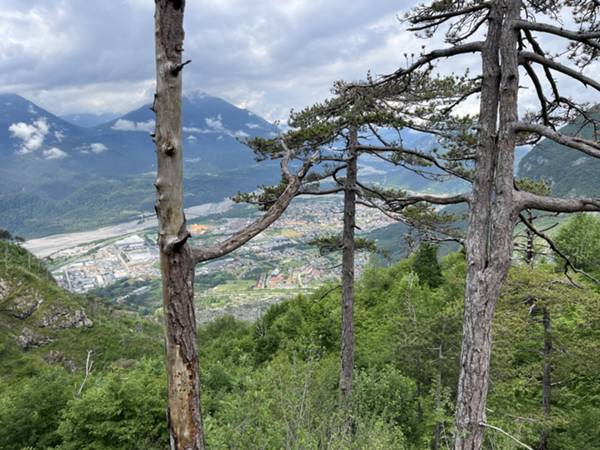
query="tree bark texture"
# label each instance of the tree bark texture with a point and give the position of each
(347, 340)
(437, 436)
(176, 261)
(546, 378)
(491, 220)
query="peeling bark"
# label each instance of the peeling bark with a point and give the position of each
(176, 261)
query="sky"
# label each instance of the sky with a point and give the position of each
(78, 56)
(97, 56)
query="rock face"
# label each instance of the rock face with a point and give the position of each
(3, 289)
(57, 357)
(29, 339)
(63, 319)
(24, 307)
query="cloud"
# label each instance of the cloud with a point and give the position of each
(216, 123)
(72, 56)
(197, 130)
(31, 135)
(128, 125)
(96, 147)
(54, 153)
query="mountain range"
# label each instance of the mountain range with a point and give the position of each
(81, 172)
(57, 176)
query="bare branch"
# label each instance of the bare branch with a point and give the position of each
(539, 91)
(403, 202)
(580, 36)
(321, 192)
(522, 444)
(527, 200)
(534, 57)
(274, 212)
(538, 49)
(586, 146)
(555, 249)
(89, 363)
(429, 158)
(179, 67)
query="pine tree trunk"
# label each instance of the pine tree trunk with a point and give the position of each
(491, 220)
(437, 436)
(546, 378)
(529, 250)
(176, 261)
(347, 351)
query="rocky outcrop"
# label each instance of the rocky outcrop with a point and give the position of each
(29, 339)
(63, 318)
(23, 307)
(4, 289)
(58, 357)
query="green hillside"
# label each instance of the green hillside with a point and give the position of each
(273, 384)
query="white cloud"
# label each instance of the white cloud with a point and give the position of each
(216, 123)
(129, 125)
(241, 134)
(96, 147)
(253, 126)
(274, 56)
(31, 135)
(197, 130)
(54, 153)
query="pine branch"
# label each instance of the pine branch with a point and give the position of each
(589, 147)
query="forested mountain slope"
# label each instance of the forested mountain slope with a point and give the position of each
(273, 384)
(567, 171)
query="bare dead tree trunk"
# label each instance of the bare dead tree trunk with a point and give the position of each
(347, 351)
(89, 364)
(546, 378)
(176, 261)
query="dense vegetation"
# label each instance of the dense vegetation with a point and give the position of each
(273, 384)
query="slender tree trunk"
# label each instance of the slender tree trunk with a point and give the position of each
(347, 351)
(546, 378)
(491, 221)
(437, 436)
(529, 250)
(176, 261)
